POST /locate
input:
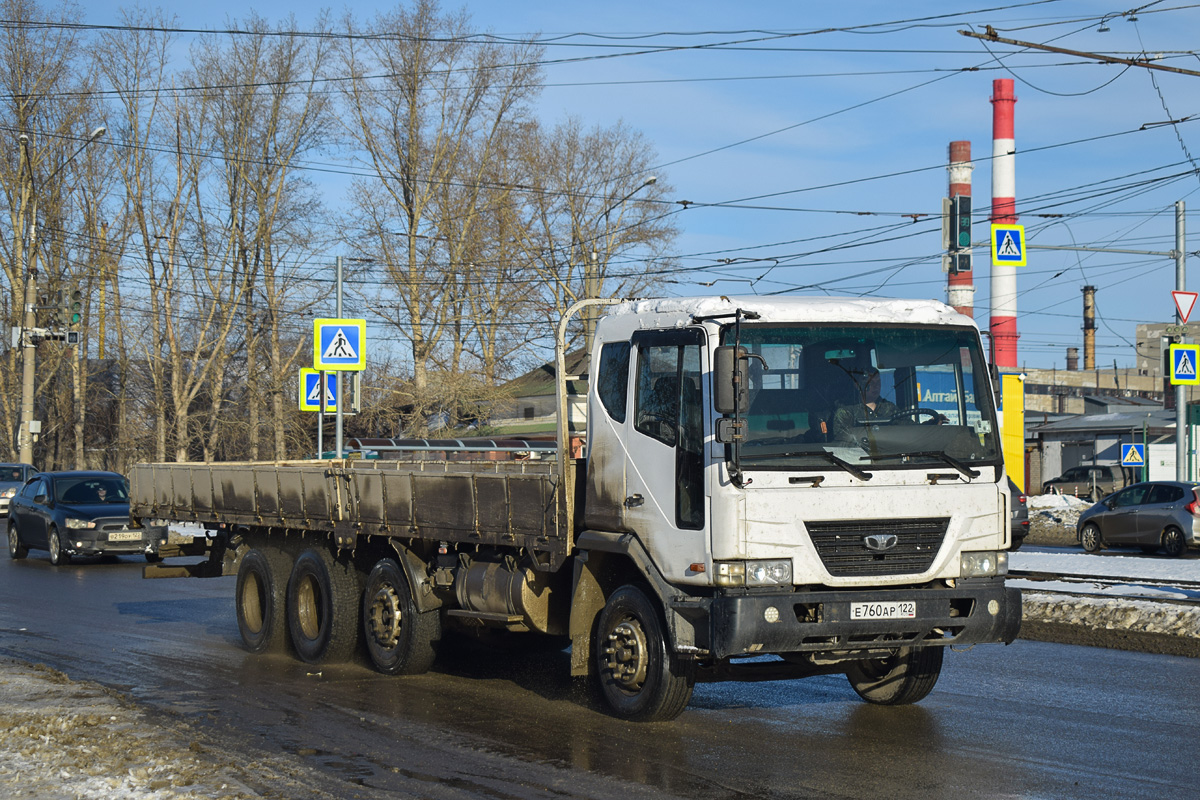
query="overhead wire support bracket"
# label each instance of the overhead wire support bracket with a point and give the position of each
(992, 36)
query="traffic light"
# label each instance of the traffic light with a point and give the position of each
(960, 234)
(73, 308)
(960, 222)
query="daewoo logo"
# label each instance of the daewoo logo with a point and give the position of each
(881, 542)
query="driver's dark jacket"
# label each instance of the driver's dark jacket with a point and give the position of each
(848, 416)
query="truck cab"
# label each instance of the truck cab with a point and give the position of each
(773, 470)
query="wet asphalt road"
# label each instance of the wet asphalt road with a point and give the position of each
(1029, 720)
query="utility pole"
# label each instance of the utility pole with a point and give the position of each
(28, 345)
(29, 197)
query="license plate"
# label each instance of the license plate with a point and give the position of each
(125, 536)
(899, 609)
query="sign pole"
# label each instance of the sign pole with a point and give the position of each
(338, 375)
(321, 415)
(1180, 389)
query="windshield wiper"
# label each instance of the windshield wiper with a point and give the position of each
(862, 475)
(938, 454)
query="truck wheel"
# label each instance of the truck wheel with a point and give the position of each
(58, 556)
(16, 550)
(261, 600)
(400, 639)
(640, 678)
(904, 677)
(1090, 538)
(322, 607)
(1173, 542)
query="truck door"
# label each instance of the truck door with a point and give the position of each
(666, 499)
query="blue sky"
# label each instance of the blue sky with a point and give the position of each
(803, 154)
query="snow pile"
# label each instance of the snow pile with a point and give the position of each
(1053, 517)
(1102, 613)
(63, 740)
(1110, 610)
(1058, 502)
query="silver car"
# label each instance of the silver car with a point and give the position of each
(1155, 515)
(12, 478)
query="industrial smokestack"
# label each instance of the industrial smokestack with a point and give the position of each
(1004, 211)
(960, 286)
(1072, 359)
(1089, 327)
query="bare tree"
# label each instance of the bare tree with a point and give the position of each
(44, 82)
(269, 112)
(423, 94)
(599, 225)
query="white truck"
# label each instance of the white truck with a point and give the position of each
(759, 495)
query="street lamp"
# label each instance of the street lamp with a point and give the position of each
(28, 345)
(591, 272)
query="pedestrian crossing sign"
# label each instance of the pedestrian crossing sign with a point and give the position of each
(310, 391)
(339, 345)
(1133, 455)
(1008, 245)
(1183, 364)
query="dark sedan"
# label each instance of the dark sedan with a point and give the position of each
(75, 514)
(1153, 515)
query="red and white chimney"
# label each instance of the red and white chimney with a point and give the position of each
(1003, 323)
(960, 286)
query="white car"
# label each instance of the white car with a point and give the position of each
(12, 478)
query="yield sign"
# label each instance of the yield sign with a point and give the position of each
(1184, 301)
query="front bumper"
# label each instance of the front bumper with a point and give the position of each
(93, 543)
(973, 612)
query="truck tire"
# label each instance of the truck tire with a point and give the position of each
(904, 677)
(640, 678)
(322, 607)
(261, 600)
(400, 639)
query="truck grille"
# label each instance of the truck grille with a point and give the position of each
(843, 550)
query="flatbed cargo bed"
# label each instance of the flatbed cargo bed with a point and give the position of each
(510, 503)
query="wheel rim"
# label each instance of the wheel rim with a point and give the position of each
(1173, 542)
(14, 541)
(627, 655)
(386, 616)
(875, 669)
(55, 547)
(1091, 538)
(308, 608)
(252, 603)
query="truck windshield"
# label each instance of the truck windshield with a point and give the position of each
(881, 396)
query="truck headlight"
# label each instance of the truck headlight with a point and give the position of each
(730, 573)
(985, 564)
(754, 573)
(769, 573)
(75, 522)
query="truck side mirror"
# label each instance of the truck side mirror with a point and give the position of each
(731, 379)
